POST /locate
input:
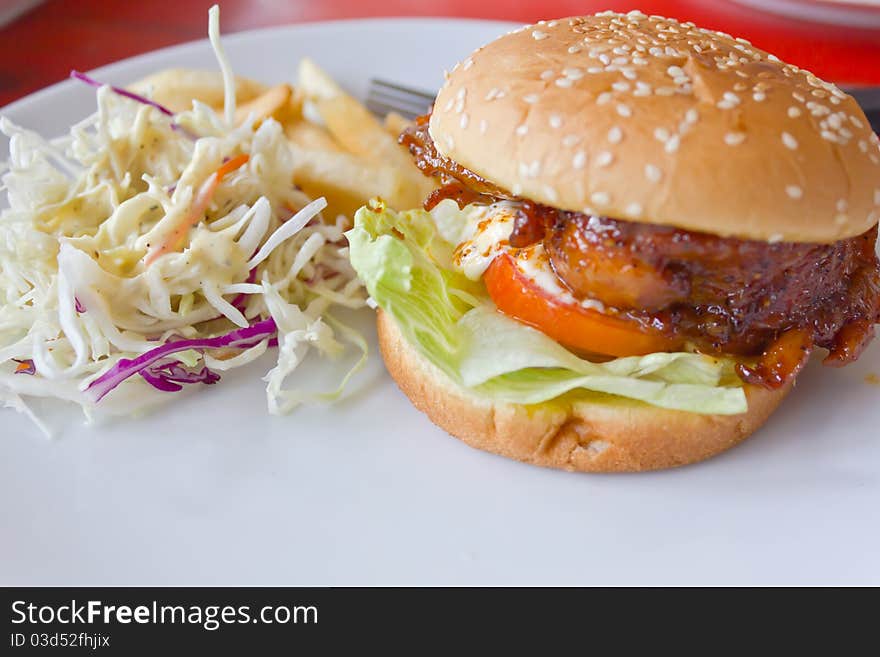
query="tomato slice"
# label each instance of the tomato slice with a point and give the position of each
(570, 324)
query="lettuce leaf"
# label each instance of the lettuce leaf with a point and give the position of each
(407, 267)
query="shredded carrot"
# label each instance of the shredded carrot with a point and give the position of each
(24, 366)
(197, 211)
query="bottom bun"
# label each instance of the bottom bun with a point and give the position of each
(587, 432)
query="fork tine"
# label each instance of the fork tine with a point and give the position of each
(384, 97)
(409, 91)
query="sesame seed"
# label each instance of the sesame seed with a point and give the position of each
(840, 219)
(450, 142)
(621, 86)
(674, 71)
(605, 59)
(664, 91)
(661, 134)
(595, 69)
(600, 198)
(579, 160)
(692, 116)
(841, 205)
(652, 173)
(672, 144)
(546, 75)
(448, 106)
(634, 210)
(798, 96)
(550, 193)
(461, 93)
(573, 73)
(615, 135)
(467, 64)
(629, 74)
(856, 122)
(642, 89)
(624, 110)
(459, 106)
(555, 121)
(759, 96)
(829, 136)
(537, 35)
(563, 82)
(522, 129)
(570, 140)
(464, 121)
(516, 189)
(492, 93)
(484, 125)
(775, 238)
(604, 97)
(734, 138)
(794, 191)
(604, 158)
(793, 112)
(523, 169)
(863, 146)
(576, 48)
(789, 141)
(531, 99)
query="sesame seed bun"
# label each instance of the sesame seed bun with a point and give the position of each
(652, 120)
(583, 433)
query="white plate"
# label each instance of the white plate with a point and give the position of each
(213, 491)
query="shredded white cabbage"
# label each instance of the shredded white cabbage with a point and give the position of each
(78, 292)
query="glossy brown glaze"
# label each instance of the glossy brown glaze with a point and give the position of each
(725, 295)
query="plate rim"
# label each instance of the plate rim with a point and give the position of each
(45, 93)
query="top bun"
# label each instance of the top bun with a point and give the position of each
(652, 120)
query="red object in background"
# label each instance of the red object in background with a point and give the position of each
(42, 46)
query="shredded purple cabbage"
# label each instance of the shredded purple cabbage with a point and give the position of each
(25, 366)
(79, 307)
(82, 77)
(168, 376)
(241, 338)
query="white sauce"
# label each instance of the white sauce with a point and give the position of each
(485, 236)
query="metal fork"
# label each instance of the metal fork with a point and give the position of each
(384, 97)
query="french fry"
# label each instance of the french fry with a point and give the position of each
(316, 84)
(344, 180)
(359, 132)
(274, 102)
(176, 88)
(309, 136)
(395, 123)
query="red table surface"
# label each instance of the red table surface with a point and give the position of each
(43, 45)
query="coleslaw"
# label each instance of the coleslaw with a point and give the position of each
(146, 251)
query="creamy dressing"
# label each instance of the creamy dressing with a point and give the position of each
(484, 236)
(487, 231)
(534, 263)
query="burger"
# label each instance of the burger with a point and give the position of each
(642, 231)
